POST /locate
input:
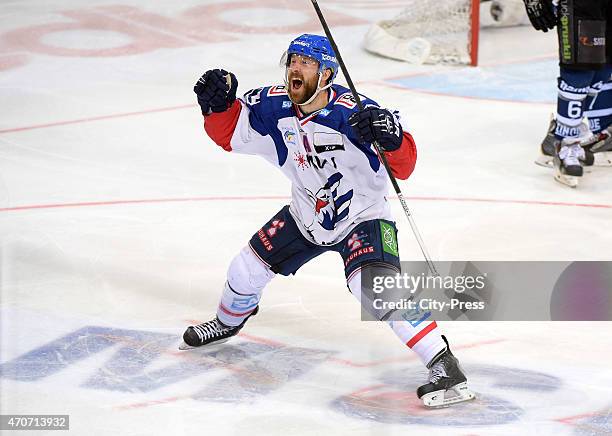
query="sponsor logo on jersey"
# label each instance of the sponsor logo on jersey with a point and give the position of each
(389, 238)
(301, 161)
(324, 141)
(355, 241)
(359, 252)
(319, 163)
(264, 240)
(564, 86)
(329, 147)
(289, 136)
(324, 112)
(594, 42)
(275, 227)
(564, 28)
(287, 105)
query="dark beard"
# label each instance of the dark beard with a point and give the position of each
(307, 91)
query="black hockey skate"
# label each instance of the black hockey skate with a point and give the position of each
(447, 383)
(211, 332)
(548, 148)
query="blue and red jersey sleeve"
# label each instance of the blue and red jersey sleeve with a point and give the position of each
(403, 160)
(220, 127)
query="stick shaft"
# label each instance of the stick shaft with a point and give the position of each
(377, 147)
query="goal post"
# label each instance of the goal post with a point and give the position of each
(429, 31)
(440, 31)
(474, 31)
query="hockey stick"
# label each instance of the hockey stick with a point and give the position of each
(377, 147)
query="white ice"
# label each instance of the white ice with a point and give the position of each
(118, 218)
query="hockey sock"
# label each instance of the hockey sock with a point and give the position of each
(572, 89)
(246, 278)
(422, 336)
(598, 104)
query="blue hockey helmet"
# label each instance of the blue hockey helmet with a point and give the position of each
(318, 48)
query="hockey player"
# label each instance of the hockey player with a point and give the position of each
(313, 131)
(584, 66)
(596, 137)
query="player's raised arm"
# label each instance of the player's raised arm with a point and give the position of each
(216, 92)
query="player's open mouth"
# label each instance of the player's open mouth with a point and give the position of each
(296, 84)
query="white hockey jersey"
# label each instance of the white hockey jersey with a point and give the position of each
(336, 181)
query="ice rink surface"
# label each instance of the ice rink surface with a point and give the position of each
(118, 218)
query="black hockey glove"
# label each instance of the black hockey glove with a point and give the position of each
(214, 93)
(541, 14)
(375, 124)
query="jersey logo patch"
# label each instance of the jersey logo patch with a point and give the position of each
(253, 97)
(277, 90)
(347, 100)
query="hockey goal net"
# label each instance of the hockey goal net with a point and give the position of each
(429, 31)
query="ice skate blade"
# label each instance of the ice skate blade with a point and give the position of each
(544, 161)
(441, 398)
(564, 179)
(183, 346)
(603, 159)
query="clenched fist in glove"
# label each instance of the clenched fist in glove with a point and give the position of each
(375, 124)
(216, 91)
(541, 14)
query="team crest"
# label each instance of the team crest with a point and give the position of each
(330, 205)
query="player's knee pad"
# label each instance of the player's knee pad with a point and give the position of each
(246, 278)
(248, 274)
(374, 287)
(582, 34)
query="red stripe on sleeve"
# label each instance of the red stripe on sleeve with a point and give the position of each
(220, 127)
(420, 335)
(403, 160)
